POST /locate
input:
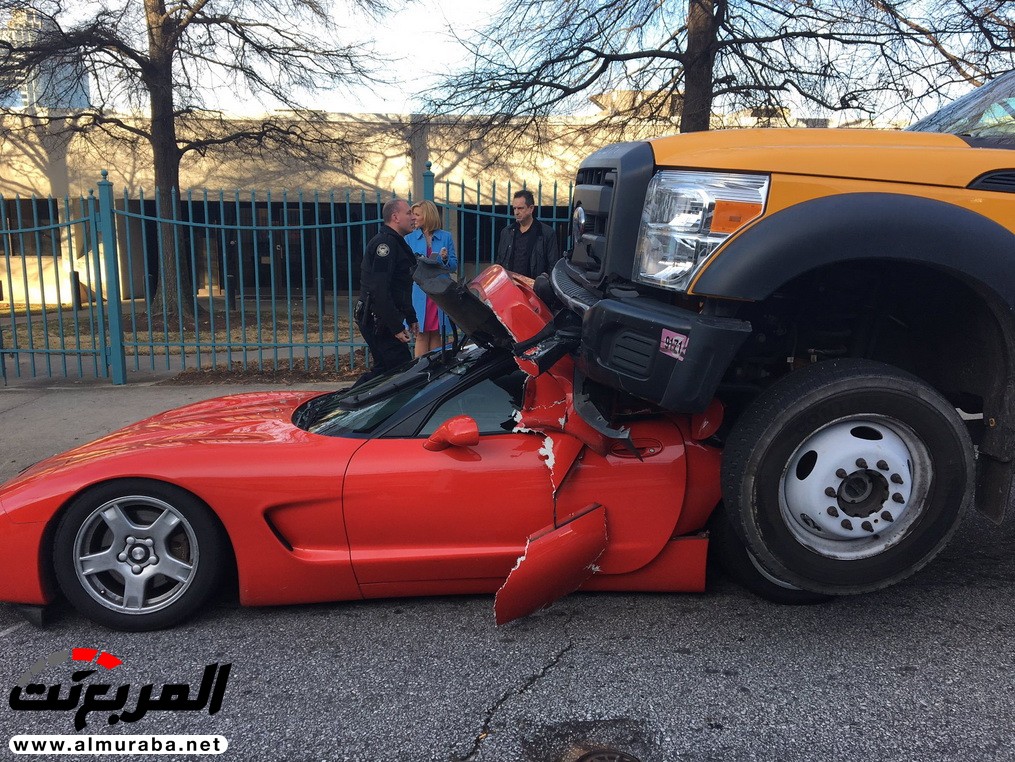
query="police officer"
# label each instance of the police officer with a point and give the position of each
(385, 305)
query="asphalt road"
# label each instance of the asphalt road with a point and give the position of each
(922, 671)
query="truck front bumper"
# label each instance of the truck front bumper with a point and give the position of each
(670, 356)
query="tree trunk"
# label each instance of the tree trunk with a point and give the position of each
(699, 65)
(175, 285)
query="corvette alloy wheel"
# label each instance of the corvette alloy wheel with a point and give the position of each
(137, 559)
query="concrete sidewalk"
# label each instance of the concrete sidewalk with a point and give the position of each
(41, 419)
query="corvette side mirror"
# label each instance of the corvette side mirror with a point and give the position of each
(460, 431)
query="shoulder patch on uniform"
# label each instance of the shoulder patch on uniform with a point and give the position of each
(383, 250)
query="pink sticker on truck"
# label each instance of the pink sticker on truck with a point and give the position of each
(674, 344)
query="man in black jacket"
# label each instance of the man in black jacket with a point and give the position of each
(527, 246)
(385, 305)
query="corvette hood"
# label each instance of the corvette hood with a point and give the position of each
(496, 308)
(466, 304)
(258, 417)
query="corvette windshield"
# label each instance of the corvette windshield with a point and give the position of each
(986, 112)
(361, 409)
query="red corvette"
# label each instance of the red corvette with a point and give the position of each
(477, 470)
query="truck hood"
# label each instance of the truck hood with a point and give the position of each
(907, 157)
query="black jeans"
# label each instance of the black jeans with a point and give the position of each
(387, 351)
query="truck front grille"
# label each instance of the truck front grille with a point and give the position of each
(595, 223)
(595, 176)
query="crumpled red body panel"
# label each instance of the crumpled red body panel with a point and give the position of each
(557, 561)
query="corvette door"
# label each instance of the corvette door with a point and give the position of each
(454, 520)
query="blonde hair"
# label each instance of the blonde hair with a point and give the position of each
(431, 218)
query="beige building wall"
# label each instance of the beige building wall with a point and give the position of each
(377, 152)
(372, 152)
(34, 162)
(33, 157)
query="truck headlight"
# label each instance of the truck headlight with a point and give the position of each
(686, 216)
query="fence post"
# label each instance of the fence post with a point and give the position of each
(428, 189)
(115, 357)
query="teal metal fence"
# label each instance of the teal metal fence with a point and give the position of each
(476, 214)
(49, 324)
(106, 284)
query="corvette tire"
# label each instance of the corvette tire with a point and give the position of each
(847, 476)
(138, 555)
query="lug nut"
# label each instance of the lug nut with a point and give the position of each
(846, 524)
(867, 526)
(830, 491)
(898, 498)
(832, 511)
(896, 479)
(841, 473)
(882, 465)
(861, 463)
(887, 516)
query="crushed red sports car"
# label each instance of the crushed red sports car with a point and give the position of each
(468, 471)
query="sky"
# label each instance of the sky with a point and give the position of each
(416, 43)
(423, 46)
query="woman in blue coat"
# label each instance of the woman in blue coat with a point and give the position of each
(428, 240)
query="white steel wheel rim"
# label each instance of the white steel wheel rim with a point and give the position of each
(855, 487)
(136, 555)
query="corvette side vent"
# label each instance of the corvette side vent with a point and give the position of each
(998, 182)
(631, 353)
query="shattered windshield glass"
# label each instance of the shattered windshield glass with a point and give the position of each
(986, 112)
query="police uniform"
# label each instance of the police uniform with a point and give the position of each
(385, 305)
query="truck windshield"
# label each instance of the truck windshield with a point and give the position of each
(986, 112)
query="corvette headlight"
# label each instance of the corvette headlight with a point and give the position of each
(687, 215)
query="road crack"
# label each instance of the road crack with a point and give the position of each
(521, 690)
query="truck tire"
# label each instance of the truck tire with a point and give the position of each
(729, 551)
(847, 476)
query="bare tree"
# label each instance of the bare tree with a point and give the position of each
(683, 62)
(154, 65)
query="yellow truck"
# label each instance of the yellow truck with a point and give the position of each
(848, 296)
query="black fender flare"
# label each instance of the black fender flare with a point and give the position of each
(852, 226)
(890, 227)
